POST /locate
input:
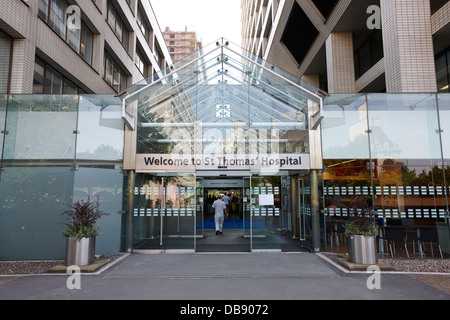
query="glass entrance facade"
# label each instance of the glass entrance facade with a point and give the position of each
(221, 110)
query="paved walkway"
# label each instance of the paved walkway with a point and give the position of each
(271, 276)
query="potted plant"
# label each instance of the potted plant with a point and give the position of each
(81, 232)
(362, 232)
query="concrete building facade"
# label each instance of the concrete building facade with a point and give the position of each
(346, 46)
(59, 46)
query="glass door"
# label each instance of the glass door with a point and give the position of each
(164, 214)
(304, 213)
(247, 208)
(201, 207)
(266, 213)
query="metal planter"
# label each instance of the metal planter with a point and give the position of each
(80, 252)
(362, 250)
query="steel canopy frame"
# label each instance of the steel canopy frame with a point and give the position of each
(221, 44)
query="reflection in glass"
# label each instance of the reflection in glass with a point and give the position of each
(31, 202)
(406, 155)
(344, 128)
(101, 129)
(41, 128)
(164, 214)
(107, 185)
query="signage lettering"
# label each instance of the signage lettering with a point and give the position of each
(149, 162)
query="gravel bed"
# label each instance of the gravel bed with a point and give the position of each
(37, 267)
(420, 265)
(413, 265)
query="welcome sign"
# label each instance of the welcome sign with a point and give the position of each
(253, 162)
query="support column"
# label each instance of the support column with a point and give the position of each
(340, 63)
(408, 46)
(130, 211)
(315, 210)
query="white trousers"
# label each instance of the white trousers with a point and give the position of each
(219, 222)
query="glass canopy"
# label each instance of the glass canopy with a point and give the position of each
(223, 100)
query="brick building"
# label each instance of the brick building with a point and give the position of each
(114, 45)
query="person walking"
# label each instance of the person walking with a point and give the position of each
(220, 209)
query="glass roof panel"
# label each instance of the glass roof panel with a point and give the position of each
(211, 97)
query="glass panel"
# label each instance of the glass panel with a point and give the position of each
(3, 104)
(32, 201)
(40, 128)
(344, 127)
(180, 204)
(202, 207)
(101, 129)
(164, 216)
(247, 201)
(346, 161)
(444, 114)
(305, 213)
(107, 185)
(266, 213)
(407, 164)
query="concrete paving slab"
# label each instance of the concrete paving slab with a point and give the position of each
(219, 278)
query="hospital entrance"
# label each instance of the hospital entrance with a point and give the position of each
(265, 213)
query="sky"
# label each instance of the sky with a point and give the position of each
(211, 19)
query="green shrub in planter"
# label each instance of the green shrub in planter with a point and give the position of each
(81, 232)
(361, 221)
(83, 216)
(361, 228)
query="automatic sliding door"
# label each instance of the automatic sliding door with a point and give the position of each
(180, 212)
(304, 214)
(164, 214)
(266, 213)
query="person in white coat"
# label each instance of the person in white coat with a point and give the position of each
(220, 209)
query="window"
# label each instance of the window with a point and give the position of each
(38, 78)
(117, 25)
(43, 10)
(436, 5)
(5, 55)
(140, 63)
(142, 24)
(443, 72)
(114, 75)
(86, 44)
(57, 17)
(49, 81)
(369, 53)
(53, 12)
